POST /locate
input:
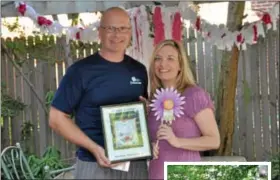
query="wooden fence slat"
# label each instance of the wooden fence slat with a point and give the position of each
(30, 139)
(41, 113)
(240, 116)
(277, 59)
(256, 99)
(18, 94)
(200, 61)
(272, 90)
(216, 68)
(265, 103)
(46, 83)
(34, 112)
(191, 36)
(248, 106)
(11, 92)
(209, 69)
(5, 138)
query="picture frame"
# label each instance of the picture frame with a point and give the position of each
(125, 132)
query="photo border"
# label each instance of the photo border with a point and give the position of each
(127, 105)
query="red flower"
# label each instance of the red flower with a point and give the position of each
(197, 23)
(240, 38)
(266, 18)
(22, 9)
(44, 21)
(78, 35)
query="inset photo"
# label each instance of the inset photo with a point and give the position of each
(217, 170)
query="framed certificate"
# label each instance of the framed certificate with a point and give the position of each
(125, 132)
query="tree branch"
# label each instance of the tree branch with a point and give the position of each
(24, 77)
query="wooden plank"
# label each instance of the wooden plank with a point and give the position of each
(264, 98)
(33, 107)
(214, 69)
(11, 91)
(256, 100)
(248, 106)
(217, 58)
(18, 95)
(272, 89)
(240, 114)
(192, 55)
(5, 138)
(209, 68)
(277, 58)
(200, 61)
(29, 140)
(41, 113)
(46, 84)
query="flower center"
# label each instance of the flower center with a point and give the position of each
(168, 104)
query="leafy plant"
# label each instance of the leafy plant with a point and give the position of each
(51, 158)
(48, 98)
(275, 165)
(10, 107)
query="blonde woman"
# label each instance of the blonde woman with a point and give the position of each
(195, 131)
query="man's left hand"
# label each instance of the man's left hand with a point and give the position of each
(147, 103)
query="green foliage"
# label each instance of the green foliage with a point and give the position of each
(275, 165)
(217, 172)
(14, 27)
(51, 158)
(48, 98)
(10, 107)
(26, 130)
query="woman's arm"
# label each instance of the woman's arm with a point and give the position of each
(210, 138)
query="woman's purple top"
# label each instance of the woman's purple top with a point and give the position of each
(196, 99)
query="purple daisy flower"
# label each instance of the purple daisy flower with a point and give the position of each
(167, 104)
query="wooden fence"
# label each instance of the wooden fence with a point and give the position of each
(257, 119)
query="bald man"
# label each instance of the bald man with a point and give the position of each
(104, 78)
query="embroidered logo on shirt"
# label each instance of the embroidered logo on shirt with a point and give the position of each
(134, 80)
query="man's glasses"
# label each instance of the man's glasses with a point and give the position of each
(112, 29)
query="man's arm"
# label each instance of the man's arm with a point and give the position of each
(63, 125)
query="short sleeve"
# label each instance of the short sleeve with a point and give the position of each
(69, 92)
(197, 100)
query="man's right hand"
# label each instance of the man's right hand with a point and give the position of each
(155, 150)
(101, 159)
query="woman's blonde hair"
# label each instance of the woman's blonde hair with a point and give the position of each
(185, 77)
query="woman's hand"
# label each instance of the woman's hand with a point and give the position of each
(166, 132)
